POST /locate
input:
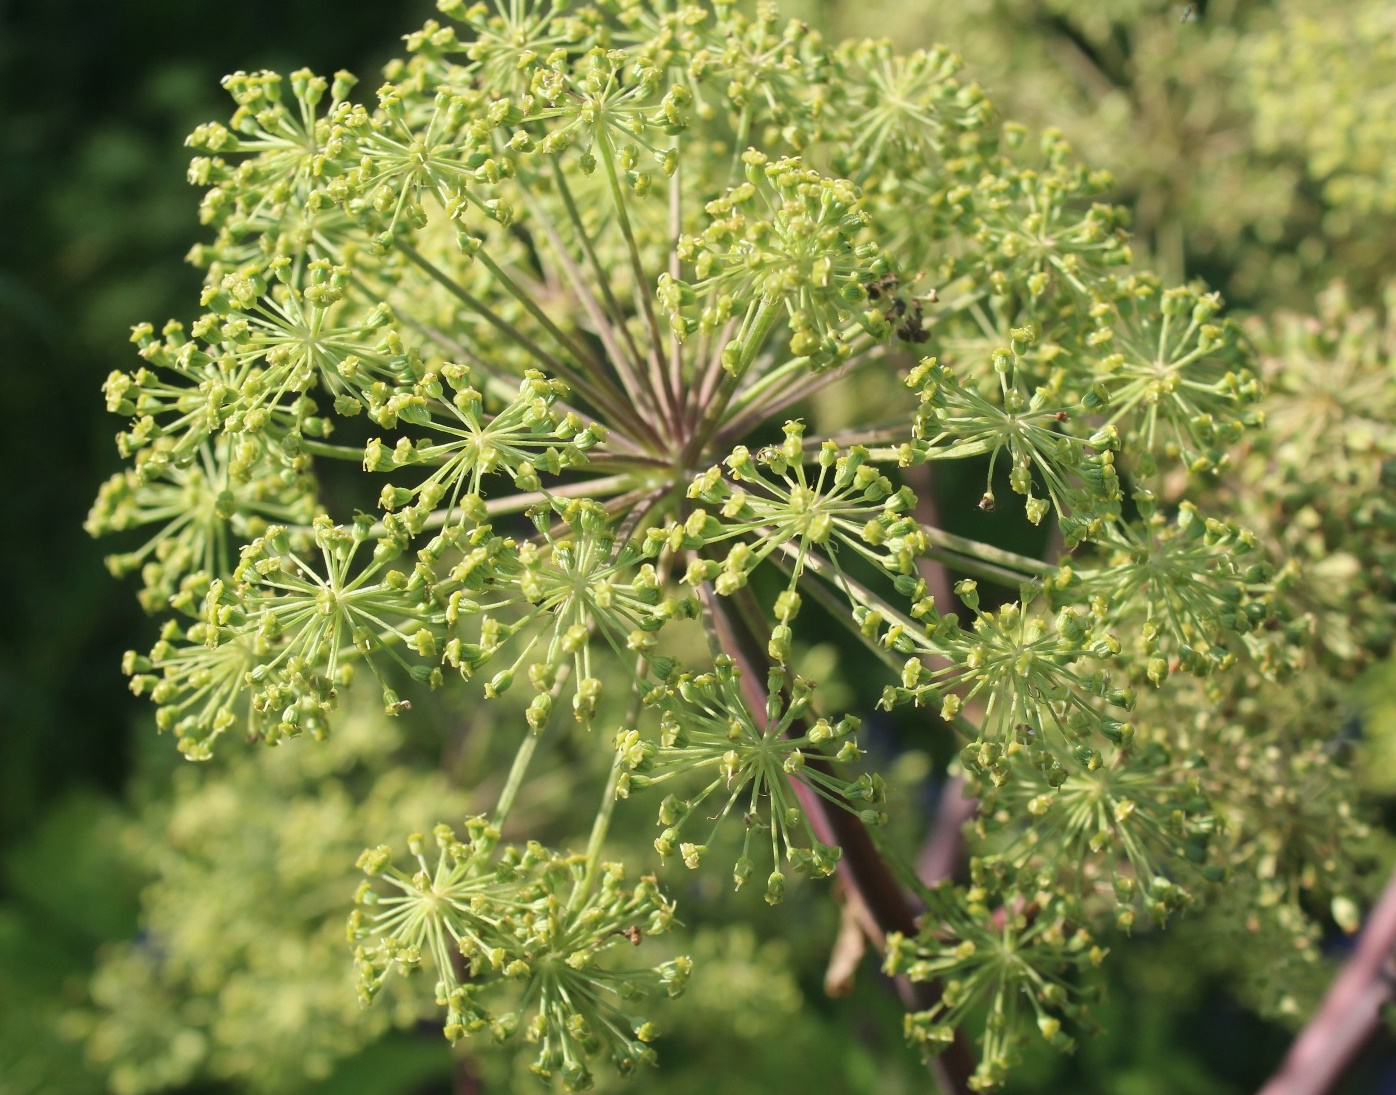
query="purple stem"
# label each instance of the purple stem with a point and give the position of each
(1349, 1014)
(878, 900)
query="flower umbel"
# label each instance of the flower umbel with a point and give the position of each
(603, 313)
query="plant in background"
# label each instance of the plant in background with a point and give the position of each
(606, 357)
(1247, 137)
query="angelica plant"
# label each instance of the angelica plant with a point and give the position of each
(580, 362)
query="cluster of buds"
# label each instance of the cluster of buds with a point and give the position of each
(525, 923)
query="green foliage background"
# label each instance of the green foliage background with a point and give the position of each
(1248, 140)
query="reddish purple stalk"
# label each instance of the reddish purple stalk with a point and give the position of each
(878, 900)
(1349, 1014)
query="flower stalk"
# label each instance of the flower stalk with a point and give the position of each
(1350, 1013)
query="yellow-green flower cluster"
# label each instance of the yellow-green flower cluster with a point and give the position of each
(561, 263)
(489, 918)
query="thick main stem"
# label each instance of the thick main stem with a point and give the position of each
(942, 850)
(876, 897)
(1349, 1014)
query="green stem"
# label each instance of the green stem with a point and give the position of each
(856, 591)
(478, 306)
(561, 337)
(600, 827)
(759, 387)
(337, 452)
(865, 437)
(524, 756)
(606, 327)
(792, 381)
(896, 863)
(754, 337)
(658, 381)
(527, 747)
(967, 564)
(617, 315)
(500, 387)
(986, 552)
(574, 379)
(749, 415)
(705, 382)
(675, 232)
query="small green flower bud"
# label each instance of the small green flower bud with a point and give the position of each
(787, 605)
(775, 888)
(500, 683)
(372, 861)
(778, 648)
(1020, 479)
(539, 708)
